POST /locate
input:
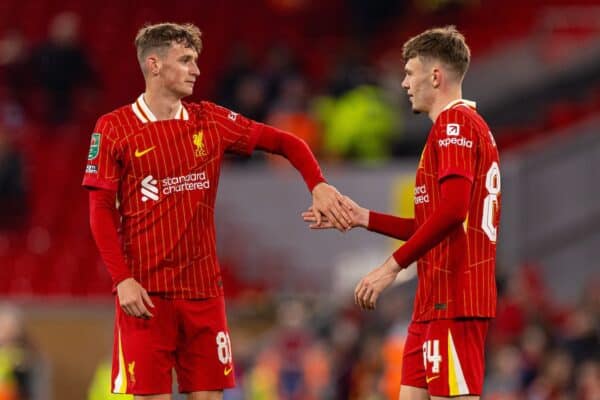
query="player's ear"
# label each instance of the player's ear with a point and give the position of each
(153, 64)
(436, 77)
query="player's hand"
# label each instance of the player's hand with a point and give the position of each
(329, 203)
(370, 287)
(134, 299)
(359, 216)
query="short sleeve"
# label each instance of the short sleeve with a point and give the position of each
(103, 169)
(455, 144)
(238, 133)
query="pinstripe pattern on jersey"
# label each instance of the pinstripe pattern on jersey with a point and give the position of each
(457, 277)
(169, 243)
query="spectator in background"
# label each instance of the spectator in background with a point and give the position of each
(13, 79)
(290, 111)
(280, 66)
(359, 125)
(12, 186)
(61, 67)
(239, 68)
(16, 357)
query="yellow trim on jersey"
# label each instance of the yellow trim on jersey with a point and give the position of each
(120, 383)
(456, 379)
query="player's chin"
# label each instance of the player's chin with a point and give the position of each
(186, 91)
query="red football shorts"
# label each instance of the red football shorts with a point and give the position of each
(190, 336)
(445, 356)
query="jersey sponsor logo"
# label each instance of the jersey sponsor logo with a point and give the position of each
(91, 169)
(140, 153)
(94, 146)
(174, 184)
(232, 116)
(453, 129)
(198, 139)
(421, 195)
(431, 378)
(149, 189)
(461, 142)
(227, 371)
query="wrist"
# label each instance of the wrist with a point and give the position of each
(120, 280)
(363, 219)
(316, 186)
(393, 265)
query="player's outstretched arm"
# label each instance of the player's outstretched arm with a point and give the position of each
(103, 222)
(451, 212)
(327, 201)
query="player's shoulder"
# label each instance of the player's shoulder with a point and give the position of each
(120, 117)
(461, 117)
(216, 110)
(459, 112)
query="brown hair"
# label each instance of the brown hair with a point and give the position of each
(160, 36)
(445, 44)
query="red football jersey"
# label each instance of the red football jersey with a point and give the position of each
(166, 175)
(457, 277)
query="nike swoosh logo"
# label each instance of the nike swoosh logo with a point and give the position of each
(227, 371)
(138, 153)
(429, 379)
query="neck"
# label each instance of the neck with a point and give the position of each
(441, 101)
(162, 104)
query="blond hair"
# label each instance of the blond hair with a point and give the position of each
(445, 44)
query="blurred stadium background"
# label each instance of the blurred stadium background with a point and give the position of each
(329, 71)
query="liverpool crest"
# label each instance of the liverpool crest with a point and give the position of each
(199, 143)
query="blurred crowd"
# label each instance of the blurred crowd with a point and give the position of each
(320, 349)
(18, 359)
(301, 347)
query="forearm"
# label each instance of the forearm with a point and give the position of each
(390, 225)
(295, 150)
(451, 212)
(103, 223)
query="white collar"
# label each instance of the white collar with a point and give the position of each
(142, 111)
(461, 102)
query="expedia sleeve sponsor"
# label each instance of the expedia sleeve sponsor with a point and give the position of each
(455, 142)
(460, 141)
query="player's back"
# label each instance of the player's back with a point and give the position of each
(457, 277)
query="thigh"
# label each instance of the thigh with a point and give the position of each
(143, 352)
(203, 358)
(413, 369)
(413, 393)
(453, 352)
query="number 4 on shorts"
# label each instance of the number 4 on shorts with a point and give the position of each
(431, 354)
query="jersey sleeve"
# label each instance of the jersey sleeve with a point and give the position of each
(238, 133)
(104, 166)
(455, 145)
